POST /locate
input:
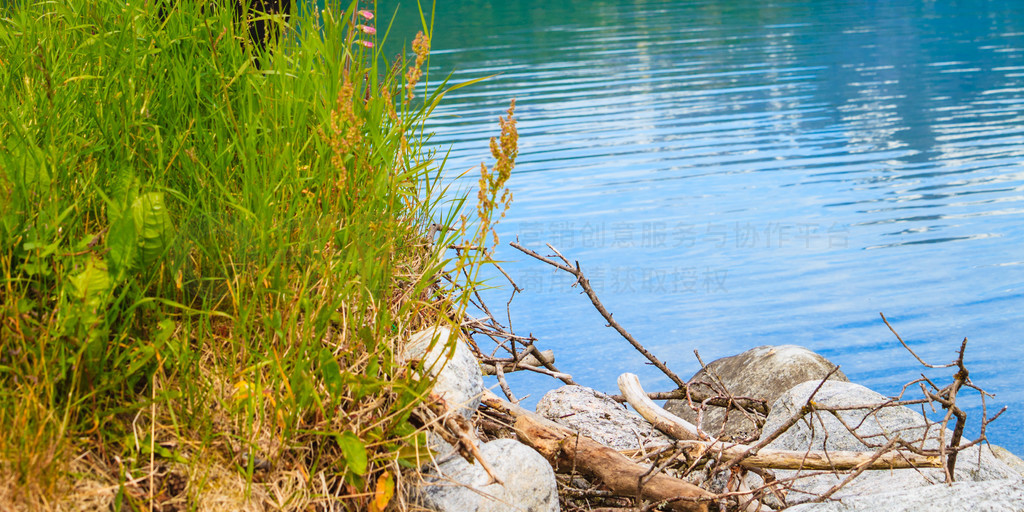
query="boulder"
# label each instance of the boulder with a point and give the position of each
(763, 372)
(825, 431)
(990, 496)
(1008, 458)
(458, 377)
(448, 359)
(597, 416)
(450, 483)
(458, 486)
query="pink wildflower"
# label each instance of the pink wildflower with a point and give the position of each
(368, 44)
(367, 29)
(367, 15)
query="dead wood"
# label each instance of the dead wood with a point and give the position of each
(568, 450)
(488, 367)
(694, 395)
(698, 444)
(807, 460)
(644, 478)
(621, 475)
(581, 279)
(670, 424)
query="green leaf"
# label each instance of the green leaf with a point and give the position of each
(91, 284)
(121, 244)
(302, 388)
(153, 228)
(165, 329)
(140, 358)
(331, 373)
(373, 367)
(354, 451)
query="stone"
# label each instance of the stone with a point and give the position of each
(825, 431)
(1011, 460)
(459, 379)
(991, 496)
(597, 416)
(458, 486)
(764, 373)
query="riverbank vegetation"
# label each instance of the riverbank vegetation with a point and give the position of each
(209, 257)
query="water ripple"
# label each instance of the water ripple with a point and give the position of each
(829, 159)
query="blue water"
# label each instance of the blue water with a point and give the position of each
(735, 174)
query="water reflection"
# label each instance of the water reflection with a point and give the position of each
(738, 174)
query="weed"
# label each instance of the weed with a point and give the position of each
(206, 266)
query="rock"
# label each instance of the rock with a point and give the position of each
(764, 372)
(829, 433)
(459, 380)
(1011, 460)
(990, 496)
(529, 482)
(597, 416)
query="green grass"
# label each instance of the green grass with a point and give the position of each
(202, 258)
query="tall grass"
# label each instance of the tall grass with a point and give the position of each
(208, 258)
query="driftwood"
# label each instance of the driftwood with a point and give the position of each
(807, 460)
(698, 444)
(670, 424)
(692, 394)
(611, 468)
(511, 365)
(640, 474)
(568, 450)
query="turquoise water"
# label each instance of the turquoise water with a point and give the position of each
(735, 174)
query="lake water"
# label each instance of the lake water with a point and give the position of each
(735, 174)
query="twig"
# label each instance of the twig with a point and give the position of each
(947, 398)
(806, 409)
(515, 287)
(860, 469)
(585, 284)
(500, 373)
(725, 389)
(909, 349)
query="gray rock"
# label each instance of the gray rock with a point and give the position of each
(825, 431)
(764, 372)
(597, 416)
(990, 496)
(457, 486)
(1007, 458)
(459, 380)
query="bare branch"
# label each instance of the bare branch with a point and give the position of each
(585, 284)
(887, 324)
(806, 409)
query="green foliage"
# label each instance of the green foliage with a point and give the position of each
(179, 217)
(140, 235)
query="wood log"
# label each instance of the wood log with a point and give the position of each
(670, 424)
(697, 446)
(529, 360)
(810, 460)
(567, 450)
